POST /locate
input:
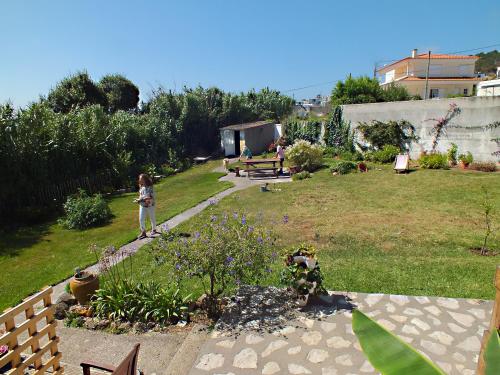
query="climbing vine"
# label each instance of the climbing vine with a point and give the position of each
(439, 128)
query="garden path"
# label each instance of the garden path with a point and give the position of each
(259, 336)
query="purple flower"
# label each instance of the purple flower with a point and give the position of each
(213, 218)
(165, 227)
(243, 219)
(177, 266)
(250, 229)
(196, 234)
(229, 259)
(248, 263)
(212, 202)
(235, 215)
(274, 254)
(285, 219)
(238, 281)
(177, 254)
(260, 240)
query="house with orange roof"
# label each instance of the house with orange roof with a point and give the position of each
(448, 74)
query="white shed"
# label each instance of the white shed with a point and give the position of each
(257, 136)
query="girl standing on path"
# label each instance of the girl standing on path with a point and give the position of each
(146, 202)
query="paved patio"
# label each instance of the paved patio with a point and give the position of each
(321, 340)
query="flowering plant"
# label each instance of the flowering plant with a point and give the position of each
(3, 349)
(302, 271)
(227, 250)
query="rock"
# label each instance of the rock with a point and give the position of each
(337, 342)
(60, 310)
(210, 361)
(125, 326)
(317, 355)
(273, 346)
(297, 369)
(228, 344)
(139, 327)
(252, 339)
(67, 298)
(294, 350)
(103, 324)
(247, 358)
(270, 368)
(90, 323)
(311, 338)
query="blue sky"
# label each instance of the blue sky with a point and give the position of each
(236, 45)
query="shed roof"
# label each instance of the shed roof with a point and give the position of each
(247, 125)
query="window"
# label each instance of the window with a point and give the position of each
(434, 93)
(466, 91)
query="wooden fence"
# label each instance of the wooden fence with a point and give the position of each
(494, 323)
(30, 334)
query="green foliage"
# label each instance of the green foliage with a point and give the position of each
(224, 252)
(433, 161)
(167, 170)
(492, 354)
(452, 153)
(396, 133)
(301, 176)
(484, 166)
(304, 155)
(133, 301)
(73, 320)
(488, 62)
(488, 206)
(387, 353)
(76, 91)
(83, 211)
(338, 133)
(121, 93)
(466, 158)
(302, 271)
(295, 129)
(367, 90)
(343, 167)
(387, 154)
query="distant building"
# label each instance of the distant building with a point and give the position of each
(448, 74)
(491, 87)
(318, 106)
(257, 136)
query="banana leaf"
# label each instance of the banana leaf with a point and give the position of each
(492, 354)
(388, 353)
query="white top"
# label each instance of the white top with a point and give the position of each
(146, 192)
(280, 151)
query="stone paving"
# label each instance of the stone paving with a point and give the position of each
(320, 340)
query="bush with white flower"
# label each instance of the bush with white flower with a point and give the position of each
(228, 250)
(305, 155)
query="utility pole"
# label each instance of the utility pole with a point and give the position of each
(426, 96)
(374, 70)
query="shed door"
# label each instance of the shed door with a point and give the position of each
(228, 142)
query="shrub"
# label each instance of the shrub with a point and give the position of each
(338, 133)
(434, 161)
(301, 176)
(351, 156)
(386, 155)
(483, 166)
(466, 158)
(452, 154)
(344, 167)
(167, 170)
(305, 156)
(84, 211)
(226, 251)
(396, 133)
(134, 301)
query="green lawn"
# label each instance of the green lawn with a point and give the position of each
(381, 232)
(45, 254)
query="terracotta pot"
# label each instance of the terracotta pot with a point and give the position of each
(463, 165)
(84, 287)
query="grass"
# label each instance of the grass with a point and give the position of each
(380, 232)
(45, 254)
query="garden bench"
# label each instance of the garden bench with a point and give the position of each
(252, 166)
(127, 367)
(257, 170)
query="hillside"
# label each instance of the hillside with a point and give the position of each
(488, 62)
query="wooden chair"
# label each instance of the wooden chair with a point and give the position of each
(127, 367)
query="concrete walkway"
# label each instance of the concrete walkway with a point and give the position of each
(321, 341)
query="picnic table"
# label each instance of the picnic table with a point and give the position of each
(261, 165)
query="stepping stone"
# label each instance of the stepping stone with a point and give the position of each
(344, 360)
(400, 300)
(288, 330)
(247, 358)
(449, 303)
(317, 355)
(329, 371)
(390, 308)
(421, 324)
(372, 299)
(413, 312)
(433, 347)
(410, 330)
(433, 310)
(459, 357)
(478, 313)
(309, 323)
(348, 329)
(463, 319)
(328, 327)
(273, 346)
(399, 318)
(228, 344)
(442, 337)
(434, 320)
(294, 350)
(270, 368)
(337, 342)
(387, 324)
(210, 361)
(252, 339)
(311, 338)
(470, 344)
(297, 369)
(373, 314)
(456, 328)
(446, 367)
(422, 300)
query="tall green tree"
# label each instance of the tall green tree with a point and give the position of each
(356, 90)
(76, 91)
(121, 93)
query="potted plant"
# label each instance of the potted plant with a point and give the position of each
(465, 160)
(83, 286)
(302, 273)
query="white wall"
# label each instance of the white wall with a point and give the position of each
(465, 129)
